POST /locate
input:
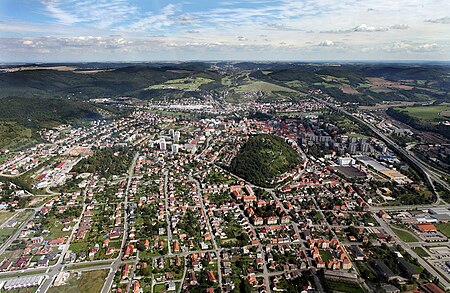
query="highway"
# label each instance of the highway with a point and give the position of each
(426, 170)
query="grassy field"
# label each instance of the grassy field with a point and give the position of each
(421, 252)
(428, 112)
(326, 255)
(257, 86)
(296, 84)
(186, 84)
(404, 235)
(444, 228)
(4, 215)
(343, 287)
(325, 85)
(334, 78)
(5, 233)
(90, 282)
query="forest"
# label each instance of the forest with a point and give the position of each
(262, 158)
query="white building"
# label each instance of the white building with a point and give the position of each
(346, 161)
(176, 136)
(162, 144)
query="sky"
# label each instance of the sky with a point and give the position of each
(285, 30)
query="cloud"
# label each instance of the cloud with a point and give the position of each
(155, 21)
(409, 46)
(442, 20)
(400, 26)
(288, 25)
(281, 27)
(363, 28)
(188, 18)
(99, 13)
(326, 43)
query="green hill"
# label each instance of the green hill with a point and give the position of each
(262, 158)
(42, 112)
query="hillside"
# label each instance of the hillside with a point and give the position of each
(366, 84)
(262, 158)
(126, 81)
(41, 112)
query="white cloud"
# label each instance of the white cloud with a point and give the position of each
(326, 43)
(442, 20)
(99, 13)
(288, 25)
(400, 26)
(363, 28)
(408, 46)
(155, 21)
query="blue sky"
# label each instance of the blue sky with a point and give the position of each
(148, 30)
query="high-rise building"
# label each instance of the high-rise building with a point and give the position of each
(176, 136)
(352, 148)
(162, 144)
(174, 148)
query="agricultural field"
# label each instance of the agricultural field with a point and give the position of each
(428, 112)
(261, 86)
(186, 84)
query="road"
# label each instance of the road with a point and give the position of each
(213, 238)
(118, 261)
(166, 207)
(59, 264)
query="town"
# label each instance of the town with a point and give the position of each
(150, 203)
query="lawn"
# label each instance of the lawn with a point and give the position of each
(421, 252)
(56, 232)
(444, 228)
(343, 287)
(261, 86)
(428, 112)
(78, 247)
(89, 282)
(326, 255)
(404, 235)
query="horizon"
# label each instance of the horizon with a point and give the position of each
(57, 31)
(212, 61)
